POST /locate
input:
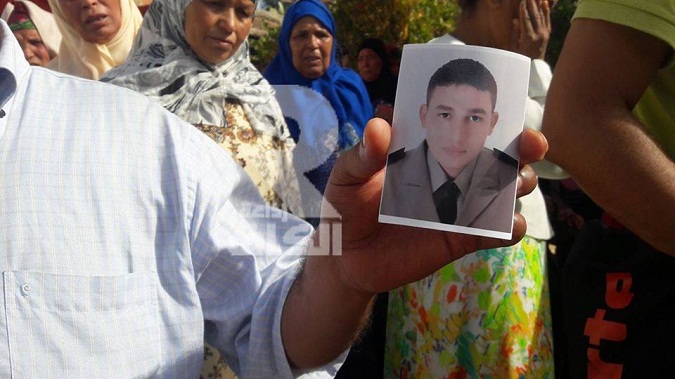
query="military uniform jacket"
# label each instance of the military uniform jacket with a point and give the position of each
(489, 201)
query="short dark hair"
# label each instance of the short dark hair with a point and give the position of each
(464, 71)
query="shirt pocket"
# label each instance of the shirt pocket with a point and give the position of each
(69, 326)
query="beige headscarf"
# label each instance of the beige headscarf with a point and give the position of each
(90, 60)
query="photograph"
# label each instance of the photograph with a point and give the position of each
(453, 159)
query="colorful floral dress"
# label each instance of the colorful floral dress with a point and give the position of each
(486, 315)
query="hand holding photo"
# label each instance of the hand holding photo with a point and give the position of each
(453, 160)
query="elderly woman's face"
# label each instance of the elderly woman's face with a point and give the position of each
(215, 29)
(369, 64)
(311, 47)
(97, 21)
(34, 49)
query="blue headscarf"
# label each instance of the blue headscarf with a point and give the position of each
(343, 88)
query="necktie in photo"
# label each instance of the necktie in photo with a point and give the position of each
(445, 198)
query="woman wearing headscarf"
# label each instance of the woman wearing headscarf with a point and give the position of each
(36, 31)
(307, 57)
(192, 57)
(374, 69)
(97, 35)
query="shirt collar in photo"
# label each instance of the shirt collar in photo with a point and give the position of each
(438, 176)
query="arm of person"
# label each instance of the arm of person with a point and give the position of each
(540, 79)
(530, 36)
(602, 72)
(330, 300)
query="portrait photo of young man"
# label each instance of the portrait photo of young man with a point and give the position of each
(451, 177)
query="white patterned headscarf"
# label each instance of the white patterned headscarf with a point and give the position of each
(162, 66)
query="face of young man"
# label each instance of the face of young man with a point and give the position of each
(457, 121)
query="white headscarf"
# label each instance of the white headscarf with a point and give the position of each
(44, 23)
(162, 66)
(90, 60)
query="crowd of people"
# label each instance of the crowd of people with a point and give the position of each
(135, 246)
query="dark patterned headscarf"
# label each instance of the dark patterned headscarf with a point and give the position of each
(162, 66)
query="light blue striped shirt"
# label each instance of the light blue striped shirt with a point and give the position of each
(122, 229)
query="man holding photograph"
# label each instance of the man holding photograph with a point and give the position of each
(451, 177)
(125, 248)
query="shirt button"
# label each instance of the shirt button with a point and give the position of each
(25, 289)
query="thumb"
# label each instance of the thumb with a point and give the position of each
(361, 163)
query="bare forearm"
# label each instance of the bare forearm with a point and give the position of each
(321, 317)
(602, 72)
(540, 81)
(624, 171)
(331, 300)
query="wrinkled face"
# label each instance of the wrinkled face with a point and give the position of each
(311, 47)
(457, 121)
(97, 21)
(34, 49)
(369, 64)
(215, 29)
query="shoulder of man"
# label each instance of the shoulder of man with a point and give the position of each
(396, 156)
(505, 158)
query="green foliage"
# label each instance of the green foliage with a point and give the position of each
(400, 22)
(395, 21)
(264, 48)
(430, 19)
